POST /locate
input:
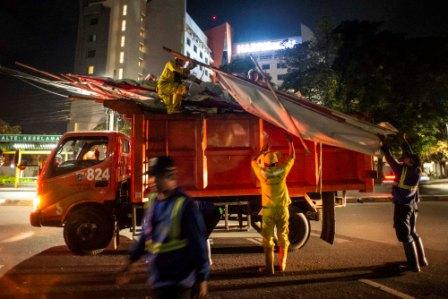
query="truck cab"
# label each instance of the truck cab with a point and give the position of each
(77, 187)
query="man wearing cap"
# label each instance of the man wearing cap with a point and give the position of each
(174, 236)
(405, 197)
(275, 202)
(169, 85)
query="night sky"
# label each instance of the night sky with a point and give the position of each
(42, 33)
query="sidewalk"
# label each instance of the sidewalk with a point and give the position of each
(17, 196)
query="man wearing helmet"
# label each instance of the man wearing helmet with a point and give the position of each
(405, 197)
(275, 201)
(170, 87)
(174, 236)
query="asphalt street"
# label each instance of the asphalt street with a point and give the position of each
(34, 262)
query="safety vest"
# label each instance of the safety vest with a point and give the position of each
(401, 184)
(174, 242)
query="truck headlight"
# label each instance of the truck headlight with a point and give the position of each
(36, 202)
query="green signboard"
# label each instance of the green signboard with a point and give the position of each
(29, 138)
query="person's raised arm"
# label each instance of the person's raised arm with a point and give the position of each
(393, 163)
(292, 150)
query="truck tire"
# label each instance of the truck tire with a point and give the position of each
(88, 231)
(299, 229)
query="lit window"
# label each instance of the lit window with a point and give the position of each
(123, 40)
(125, 10)
(123, 25)
(139, 63)
(265, 66)
(90, 70)
(121, 57)
(94, 21)
(120, 73)
(142, 33)
(141, 47)
(195, 49)
(91, 53)
(188, 41)
(92, 38)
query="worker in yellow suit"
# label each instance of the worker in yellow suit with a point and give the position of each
(275, 202)
(169, 85)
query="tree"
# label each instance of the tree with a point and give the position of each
(360, 69)
(240, 66)
(6, 128)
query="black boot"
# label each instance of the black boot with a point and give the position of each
(421, 252)
(411, 255)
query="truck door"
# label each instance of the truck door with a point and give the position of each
(79, 168)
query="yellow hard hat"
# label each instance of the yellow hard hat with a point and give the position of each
(270, 158)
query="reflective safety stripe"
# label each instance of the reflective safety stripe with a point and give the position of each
(174, 242)
(401, 182)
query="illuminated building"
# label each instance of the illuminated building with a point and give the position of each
(123, 39)
(266, 54)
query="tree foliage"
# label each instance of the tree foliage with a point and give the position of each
(360, 69)
(6, 128)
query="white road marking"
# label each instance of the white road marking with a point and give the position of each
(336, 240)
(18, 237)
(257, 241)
(386, 289)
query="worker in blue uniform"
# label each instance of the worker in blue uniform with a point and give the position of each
(405, 197)
(174, 238)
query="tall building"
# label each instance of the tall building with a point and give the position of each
(123, 39)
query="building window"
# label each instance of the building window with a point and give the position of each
(281, 65)
(120, 73)
(125, 10)
(206, 72)
(91, 53)
(188, 54)
(200, 67)
(265, 66)
(206, 60)
(121, 57)
(281, 77)
(139, 63)
(188, 41)
(90, 70)
(141, 47)
(92, 38)
(123, 40)
(123, 25)
(201, 55)
(142, 32)
(195, 49)
(265, 57)
(94, 21)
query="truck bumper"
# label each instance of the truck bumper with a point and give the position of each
(35, 219)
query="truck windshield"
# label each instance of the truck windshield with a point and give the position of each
(77, 153)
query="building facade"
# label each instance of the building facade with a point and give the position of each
(265, 52)
(123, 39)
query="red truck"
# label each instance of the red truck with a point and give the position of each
(93, 183)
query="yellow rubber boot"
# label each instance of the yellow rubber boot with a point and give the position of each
(269, 260)
(282, 256)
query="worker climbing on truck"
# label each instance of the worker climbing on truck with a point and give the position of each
(170, 87)
(275, 201)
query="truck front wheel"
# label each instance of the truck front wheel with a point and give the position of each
(88, 230)
(299, 228)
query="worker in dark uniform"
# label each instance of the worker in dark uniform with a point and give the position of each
(173, 236)
(405, 197)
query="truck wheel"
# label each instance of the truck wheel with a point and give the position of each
(299, 229)
(88, 231)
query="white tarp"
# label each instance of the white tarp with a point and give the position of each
(311, 121)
